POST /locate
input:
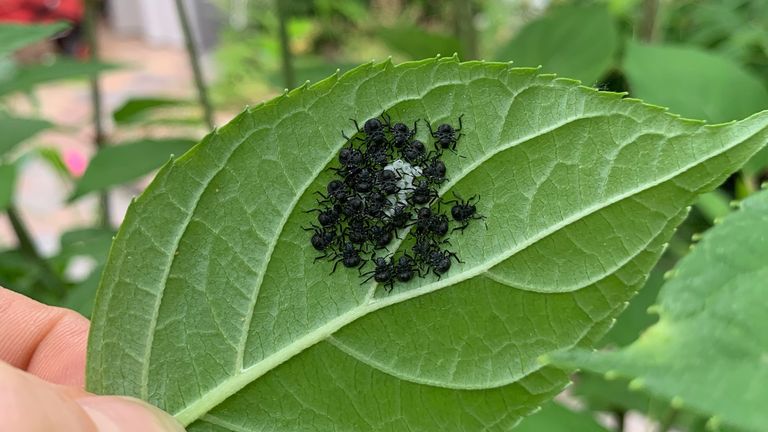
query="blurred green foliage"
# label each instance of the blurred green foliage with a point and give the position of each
(23, 267)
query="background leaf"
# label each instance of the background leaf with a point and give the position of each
(16, 130)
(15, 36)
(211, 305)
(692, 82)
(119, 164)
(26, 77)
(416, 43)
(708, 349)
(573, 41)
(138, 109)
(554, 417)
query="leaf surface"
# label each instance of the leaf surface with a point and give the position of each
(573, 41)
(212, 308)
(692, 82)
(708, 350)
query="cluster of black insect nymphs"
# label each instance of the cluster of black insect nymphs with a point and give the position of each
(387, 183)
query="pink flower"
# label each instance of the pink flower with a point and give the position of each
(75, 162)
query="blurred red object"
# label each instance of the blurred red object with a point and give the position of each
(28, 11)
(69, 42)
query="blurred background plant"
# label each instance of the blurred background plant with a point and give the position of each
(704, 59)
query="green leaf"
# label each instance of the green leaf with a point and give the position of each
(16, 130)
(635, 319)
(91, 242)
(15, 36)
(54, 159)
(138, 109)
(7, 185)
(308, 68)
(25, 78)
(119, 164)
(758, 164)
(556, 418)
(20, 274)
(574, 41)
(714, 205)
(692, 82)
(212, 307)
(416, 43)
(80, 297)
(707, 351)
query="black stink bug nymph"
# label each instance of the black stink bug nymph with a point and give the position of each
(446, 136)
(464, 211)
(381, 199)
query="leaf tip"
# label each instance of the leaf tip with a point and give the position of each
(677, 402)
(611, 375)
(654, 310)
(637, 384)
(696, 237)
(543, 360)
(669, 274)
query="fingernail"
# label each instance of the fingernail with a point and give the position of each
(123, 414)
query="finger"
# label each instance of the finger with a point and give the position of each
(33, 405)
(46, 341)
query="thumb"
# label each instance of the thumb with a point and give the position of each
(123, 414)
(33, 405)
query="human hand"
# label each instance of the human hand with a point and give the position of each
(42, 375)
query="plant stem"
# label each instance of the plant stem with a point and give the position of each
(620, 419)
(669, 420)
(648, 21)
(465, 29)
(49, 278)
(194, 60)
(99, 138)
(285, 45)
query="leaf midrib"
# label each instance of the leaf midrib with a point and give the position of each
(231, 385)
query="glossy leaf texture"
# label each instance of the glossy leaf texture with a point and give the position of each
(212, 307)
(708, 350)
(693, 82)
(573, 41)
